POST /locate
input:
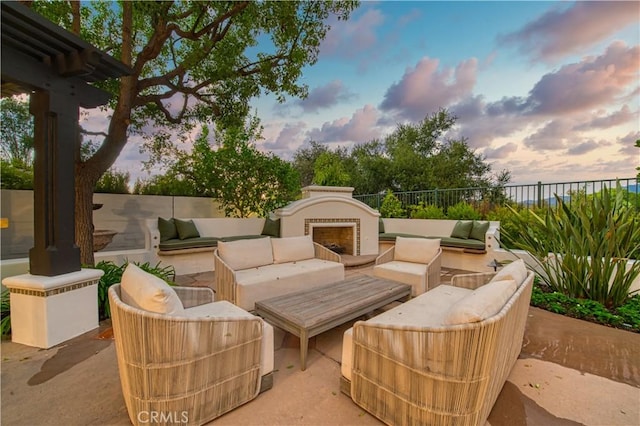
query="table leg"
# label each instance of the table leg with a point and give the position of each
(304, 346)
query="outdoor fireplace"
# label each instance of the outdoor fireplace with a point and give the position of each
(332, 218)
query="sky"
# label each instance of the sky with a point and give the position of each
(547, 90)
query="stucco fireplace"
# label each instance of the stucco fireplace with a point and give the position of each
(333, 218)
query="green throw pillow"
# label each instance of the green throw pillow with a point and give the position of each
(271, 227)
(167, 228)
(380, 226)
(479, 230)
(186, 229)
(462, 229)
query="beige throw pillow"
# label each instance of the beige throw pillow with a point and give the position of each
(516, 271)
(416, 250)
(292, 249)
(480, 304)
(246, 254)
(143, 290)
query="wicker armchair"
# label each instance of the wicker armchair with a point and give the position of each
(438, 374)
(183, 369)
(418, 264)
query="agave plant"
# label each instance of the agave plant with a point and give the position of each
(5, 313)
(584, 248)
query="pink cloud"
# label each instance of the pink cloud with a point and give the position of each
(590, 83)
(628, 145)
(348, 38)
(424, 89)
(552, 136)
(616, 118)
(361, 127)
(584, 147)
(325, 96)
(561, 32)
(503, 151)
(282, 139)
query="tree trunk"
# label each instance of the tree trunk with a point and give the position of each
(84, 218)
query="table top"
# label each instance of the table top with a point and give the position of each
(333, 302)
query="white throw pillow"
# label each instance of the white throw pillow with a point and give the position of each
(292, 249)
(480, 304)
(246, 254)
(516, 271)
(416, 250)
(143, 290)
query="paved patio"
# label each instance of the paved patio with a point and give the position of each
(569, 372)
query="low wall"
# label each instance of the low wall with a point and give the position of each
(124, 213)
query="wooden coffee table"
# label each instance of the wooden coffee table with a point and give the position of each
(308, 313)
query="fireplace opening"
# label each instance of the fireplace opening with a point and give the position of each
(336, 238)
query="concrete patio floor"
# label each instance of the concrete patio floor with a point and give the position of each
(569, 372)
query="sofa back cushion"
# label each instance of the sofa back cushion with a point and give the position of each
(246, 254)
(480, 304)
(271, 227)
(416, 250)
(186, 229)
(462, 229)
(292, 249)
(167, 229)
(143, 290)
(479, 230)
(516, 271)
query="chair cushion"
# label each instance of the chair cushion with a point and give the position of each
(416, 250)
(271, 227)
(167, 228)
(462, 229)
(479, 230)
(292, 249)
(186, 229)
(481, 303)
(246, 254)
(143, 290)
(516, 271)
(410, 273)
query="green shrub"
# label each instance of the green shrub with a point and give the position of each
(391, 206)
(427, 211)
(463, 210)
(583, 248)
(5, 313)
(113, 275)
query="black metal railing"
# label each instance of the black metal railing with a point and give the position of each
(531, 195)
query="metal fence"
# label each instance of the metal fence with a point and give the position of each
(530, 196)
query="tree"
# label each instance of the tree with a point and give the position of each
(192, 62)
(113, 182)
(370, 168)
(329, 169)
(242, 179)
(16, 124)
(304, 161)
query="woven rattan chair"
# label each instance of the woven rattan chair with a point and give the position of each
(177, 369)
(438, 375)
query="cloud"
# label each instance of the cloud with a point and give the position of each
(552, 136)
(503, 151)
(624, 115)
(283, 139)
(325, 96)
(583, 147)
(423, 89)
(349, 38)
(560, 32)
(361, 127)
(628, 145)
(587, 84)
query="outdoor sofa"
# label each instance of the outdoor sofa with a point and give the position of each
(251, 270)
(181, 354)
(442, 357)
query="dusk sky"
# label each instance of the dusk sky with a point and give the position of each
(547, 90)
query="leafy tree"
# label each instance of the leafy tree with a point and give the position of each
(370, 168)
(329, 169)
(391, 206)
(244, 180)
(164, 184)
(113, 182)
(16, 125)
(15, 177)
(192, 62)
(304, 161)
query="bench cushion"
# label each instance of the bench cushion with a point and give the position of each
(178, 244)
(241, 237)
(246, 254)
(462, 243)
(391, 236)
(278, 279)
(143, 290)
(481, 303)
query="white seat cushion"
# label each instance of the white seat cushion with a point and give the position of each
(417, 250)
(292, 249)
(481, 303)
(282, 278)
(414, 274)
(426, 310)
(516, 271)
(143, 290)
(245, 254)
(224, 309)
